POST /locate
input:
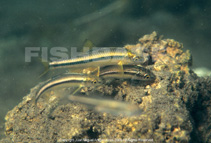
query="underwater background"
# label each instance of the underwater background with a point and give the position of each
(68, 23)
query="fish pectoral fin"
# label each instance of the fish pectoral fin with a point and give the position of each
(90, 70)
(76, 90)
(98, 71)
(121, 67)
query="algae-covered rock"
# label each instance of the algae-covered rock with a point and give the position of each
(176, 106)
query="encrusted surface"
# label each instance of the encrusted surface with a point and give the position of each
(176, 106)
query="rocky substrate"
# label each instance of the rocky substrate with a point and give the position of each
(176, 107)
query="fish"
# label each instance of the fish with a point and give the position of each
(129, 72)
(72, 80)
(98, 58)
(110, 106)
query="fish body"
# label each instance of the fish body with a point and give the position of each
(110, 106)
(98, 58)
(130, 72)
(72, 80)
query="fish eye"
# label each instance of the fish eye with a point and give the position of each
(94, 81)
(146, 76)
(135, 59)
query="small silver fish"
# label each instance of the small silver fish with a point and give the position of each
(111, 106)
(99, 58)
(72, 80)
(131, 72)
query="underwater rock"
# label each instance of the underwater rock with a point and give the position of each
(176, 106)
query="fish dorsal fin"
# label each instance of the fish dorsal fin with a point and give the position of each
(87, 46)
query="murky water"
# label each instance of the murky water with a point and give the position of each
(42, 26)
